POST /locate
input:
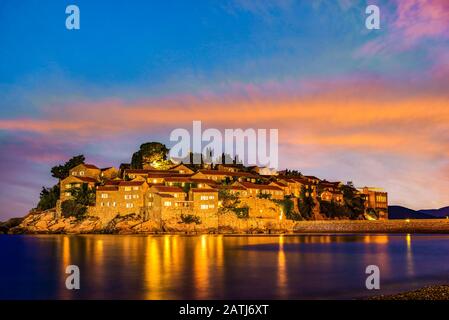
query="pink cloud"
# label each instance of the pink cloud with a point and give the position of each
(364, 129)
(415, 21)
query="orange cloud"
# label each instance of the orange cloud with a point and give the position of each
(411, 126)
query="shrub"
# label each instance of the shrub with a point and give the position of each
(287, 206)
(242, 212)
(261, 195)
(190, 218)
(71, 208)
(48, 197)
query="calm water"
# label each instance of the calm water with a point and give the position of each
(218, 267)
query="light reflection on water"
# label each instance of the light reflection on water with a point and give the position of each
(218, 267)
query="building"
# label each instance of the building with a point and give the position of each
(85, 170)
(66, 185)
(376, 199)
(169, 194)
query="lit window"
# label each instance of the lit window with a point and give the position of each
(211, 206)
(135, 188)
(211, 197)
(68, 186)
(81, 173)
(167, 203)
(127, 188)
(104, 195)
(204, 197)
(68, 194)
(130, 205)
(73, 173)
(127, 196)
(114, 204)
(204, 207)
(135, 196)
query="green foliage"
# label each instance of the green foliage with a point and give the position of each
(228, 200)
(242, 212)
(48, 197)
(332, 209)
(187, 186)
(70, 208)
(306, 203)
(62, 171)
(190, 218)
(292, 173)
(287, 207)
(354, 204)
(84, 195)
(148, 154)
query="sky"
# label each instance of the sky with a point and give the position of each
(351, 104)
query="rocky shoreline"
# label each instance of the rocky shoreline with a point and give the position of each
(44, 223)
(436, 292)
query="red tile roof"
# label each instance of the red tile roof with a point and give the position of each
(250, 185)
(176, 179)
(233, 188)
(90, 166)
(312, 177)
(197, 180)
(107, 188)
(216, 172)
(112, 182)
(130, 183)
(168, 189)
(280, 184)
(164, 195)
(204, 190)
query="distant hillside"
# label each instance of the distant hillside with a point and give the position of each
(441, 213)
(399, 212)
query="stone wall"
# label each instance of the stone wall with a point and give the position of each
(226, 222)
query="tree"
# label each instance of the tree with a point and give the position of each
(84, 195)
(150, 154)
(228, 200)
(48, 197)
(353, 202)
(306, 203)
(70, 208)
(190, 218)
(62, 171)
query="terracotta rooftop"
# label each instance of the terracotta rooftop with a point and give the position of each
(107, 188)
(130, 183)
(112, 182)
(233, 188)
(203, 190)
(176, 179)
(312, 177)
(250, 185)
(90, 166)
(167, 189)
(164, 195)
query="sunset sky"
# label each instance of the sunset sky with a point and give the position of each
(351, 104)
